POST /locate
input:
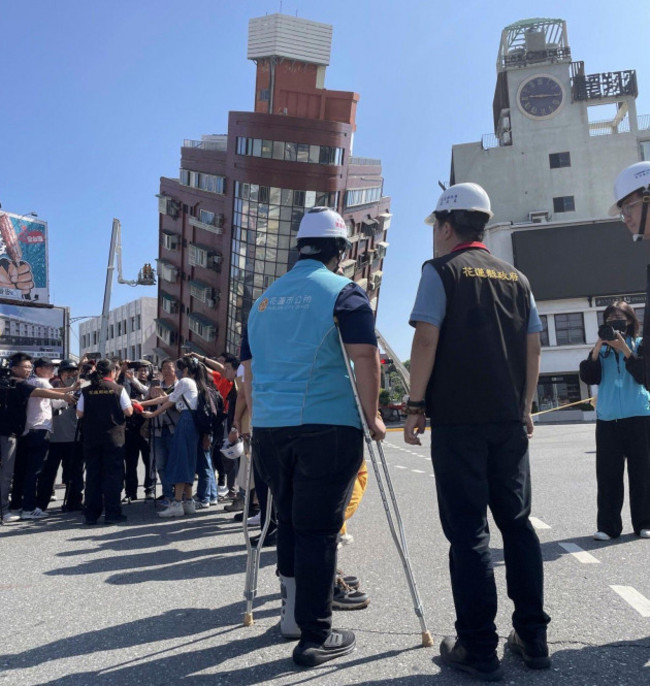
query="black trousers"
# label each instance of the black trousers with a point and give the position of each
(31, 453)
(134, 446)
(104, 476)
(69, 454)
(479, 466)
(616, 440)
(310, 471)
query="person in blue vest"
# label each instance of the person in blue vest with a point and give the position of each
(615, 365)
(306, 428)
(474, 367)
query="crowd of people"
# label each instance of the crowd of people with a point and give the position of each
(92, 420)
(475, 363)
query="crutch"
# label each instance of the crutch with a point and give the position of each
(400, 541)
(253, 551)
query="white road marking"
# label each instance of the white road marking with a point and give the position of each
(418, 471)
(538, 523)
(399, 466)
(580, 554)
(632, 597)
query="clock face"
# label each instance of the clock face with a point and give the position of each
(540, 97)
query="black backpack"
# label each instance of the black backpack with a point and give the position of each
(209, 414)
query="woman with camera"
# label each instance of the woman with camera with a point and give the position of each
(623, 422)
(182, 459)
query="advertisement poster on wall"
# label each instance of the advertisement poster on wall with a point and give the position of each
(38, 331)
(23, 258)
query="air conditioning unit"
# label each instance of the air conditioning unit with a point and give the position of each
(217, 259)
(539, 216)
(506, 138)
(211, 302)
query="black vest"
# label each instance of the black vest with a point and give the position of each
(103, 417)
(479, 375)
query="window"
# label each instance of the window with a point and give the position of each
(119, 328)
(559, 159)
(202, 327)
(543, 336)
(132, 324)
(569, 329)
(138, 322)
(565, 203)
(645, 150)
(198, 256)
(557, 389)
(362, 196)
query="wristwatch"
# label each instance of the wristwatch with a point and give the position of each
(415, 406)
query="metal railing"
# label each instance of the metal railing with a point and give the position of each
(206, 145)
(643, 121)
(606, 127)
(490, 140)
(365, 160)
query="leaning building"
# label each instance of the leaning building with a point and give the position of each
(561, 135)
(228, 222)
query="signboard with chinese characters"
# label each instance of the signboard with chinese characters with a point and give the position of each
(37, 331)
(23, 258)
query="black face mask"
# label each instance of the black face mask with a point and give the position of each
(618, 325)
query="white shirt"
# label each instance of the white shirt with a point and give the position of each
(39, 410)
(186, 387)
(125, 401)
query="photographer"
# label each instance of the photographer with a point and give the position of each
(14, 395)
(65, 448)
(33, 445)
(623, 422)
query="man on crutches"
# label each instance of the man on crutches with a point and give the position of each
(306, 428)
(474, 368)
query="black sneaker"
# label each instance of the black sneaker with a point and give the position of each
(351, 580)
(533, 653)
(309, 654)
(270, 540)
(115, 519)
(148, 495)
(347, 598)
(454, 654)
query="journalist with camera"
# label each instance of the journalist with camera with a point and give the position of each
(14, 396)
(616, 365)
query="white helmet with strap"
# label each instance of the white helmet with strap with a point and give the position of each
(232, 450)
(469, 197)
(634, 178)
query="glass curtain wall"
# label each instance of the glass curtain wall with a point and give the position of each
(264, 227)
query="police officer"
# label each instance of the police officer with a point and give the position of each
(103, 406)
(308, 443)
(474, 368)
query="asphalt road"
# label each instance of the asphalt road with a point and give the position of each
(161, 602)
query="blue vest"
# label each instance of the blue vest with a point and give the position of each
(299, 374)
(619, 395)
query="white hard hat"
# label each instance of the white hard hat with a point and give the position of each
(636, 177)
(462, 196)
(322, 222)
(232, 450)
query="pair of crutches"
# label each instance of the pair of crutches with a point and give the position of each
(383, 482)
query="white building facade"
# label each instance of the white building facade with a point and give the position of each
(560, 138)
(131, 331)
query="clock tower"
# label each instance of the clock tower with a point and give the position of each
(549, 157)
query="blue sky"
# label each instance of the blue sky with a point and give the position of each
(98, 97)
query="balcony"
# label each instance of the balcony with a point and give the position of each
(349, 267)
(212, 228)
(369, 161)
(219, 143)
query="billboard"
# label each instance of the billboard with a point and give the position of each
(23, 258)
(38, 331)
